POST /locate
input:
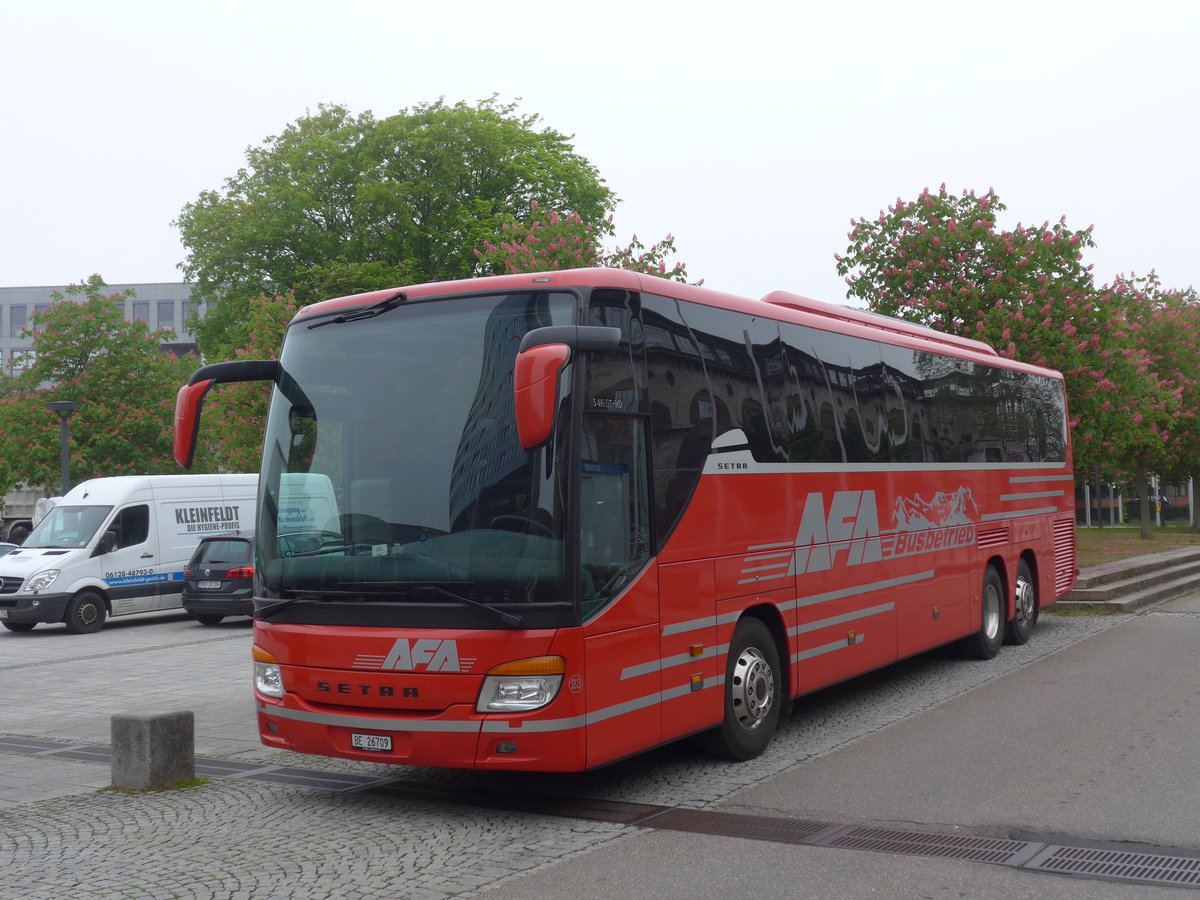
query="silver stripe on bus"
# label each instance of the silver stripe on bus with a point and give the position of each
(1030, 478)
(315, 718)
(842, 619)
(669, 662)
(1036, 495)
(812, 652)
(1017, 513)
(697, 624)
(747, 465)
(857, 589)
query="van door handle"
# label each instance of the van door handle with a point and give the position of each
(147, 556)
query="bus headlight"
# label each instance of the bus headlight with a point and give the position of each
(41, 580)
(268, 679)
(522, 685)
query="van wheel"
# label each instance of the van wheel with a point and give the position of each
(1025, 607)
(19, 626)
(985, 643)
(753, 694)
(208, 619)
(85, 613)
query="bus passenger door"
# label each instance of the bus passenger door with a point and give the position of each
(620, 590)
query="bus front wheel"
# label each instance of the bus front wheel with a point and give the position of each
(985, 643)
(753, 694)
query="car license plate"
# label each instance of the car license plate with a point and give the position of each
(381, 743)
(3, 613)
(209, 585)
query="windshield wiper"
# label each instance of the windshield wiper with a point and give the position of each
(421, 593)
(302, 595)
(375, 309)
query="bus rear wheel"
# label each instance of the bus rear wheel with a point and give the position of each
(1025, 607)
(985, 643)
(753, 694)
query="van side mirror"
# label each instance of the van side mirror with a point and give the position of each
(543, 354)
(107, 544)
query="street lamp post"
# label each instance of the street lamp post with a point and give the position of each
(65, 409)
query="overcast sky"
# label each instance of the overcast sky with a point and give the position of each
(751, 131)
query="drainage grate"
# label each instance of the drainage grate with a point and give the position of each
(946, 846)
(1143, 868)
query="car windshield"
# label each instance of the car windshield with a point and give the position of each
(392, 468)
(70, 527)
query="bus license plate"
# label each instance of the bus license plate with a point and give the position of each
(381, 743)
(209, 585)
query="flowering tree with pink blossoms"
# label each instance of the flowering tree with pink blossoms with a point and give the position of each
(547, 240)
(943, 261)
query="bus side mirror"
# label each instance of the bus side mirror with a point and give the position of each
(544, 351)
(535, 391)
(190, 398)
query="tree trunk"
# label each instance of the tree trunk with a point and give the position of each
(1143, 501)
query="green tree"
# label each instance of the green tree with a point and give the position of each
(85, 350)
(361, 203)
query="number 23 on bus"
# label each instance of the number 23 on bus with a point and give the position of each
(549, 521)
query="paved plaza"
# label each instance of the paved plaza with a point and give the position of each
(932, 744)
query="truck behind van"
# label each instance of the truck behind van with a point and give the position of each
(118, 546)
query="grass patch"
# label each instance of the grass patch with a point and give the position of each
(183, 784)
(1101, 545)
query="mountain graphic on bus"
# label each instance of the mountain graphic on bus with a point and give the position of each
(944, 509)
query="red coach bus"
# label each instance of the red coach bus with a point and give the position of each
(583, 513)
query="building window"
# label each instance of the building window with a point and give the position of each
(17, 317)
(141, 311)
(22, 358)
(166, 314)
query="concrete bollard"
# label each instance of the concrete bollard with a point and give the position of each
(153, 751)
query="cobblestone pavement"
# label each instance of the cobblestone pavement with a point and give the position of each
(239, 838)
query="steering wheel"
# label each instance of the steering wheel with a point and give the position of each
(526, 523)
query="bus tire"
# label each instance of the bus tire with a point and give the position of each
(753, 694)
(985, 643)
(1025, 607)
(85, 613)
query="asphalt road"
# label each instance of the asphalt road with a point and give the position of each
(1084, 738)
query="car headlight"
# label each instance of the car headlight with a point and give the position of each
(268, 678)
(41, 580)
(522, 685)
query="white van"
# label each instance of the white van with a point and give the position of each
(115, 546)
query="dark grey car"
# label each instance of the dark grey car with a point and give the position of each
(219, 579)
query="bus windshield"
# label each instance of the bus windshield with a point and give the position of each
(417, 504)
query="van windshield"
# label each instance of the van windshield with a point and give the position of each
(68, 527)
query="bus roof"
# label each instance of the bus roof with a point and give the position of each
(775, 305)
